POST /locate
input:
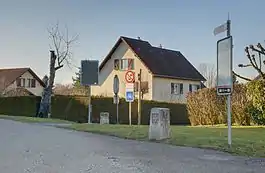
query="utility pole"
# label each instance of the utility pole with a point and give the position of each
(139, 96)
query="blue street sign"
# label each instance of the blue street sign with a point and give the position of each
(129, 96)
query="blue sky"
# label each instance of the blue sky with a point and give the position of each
(185, 25)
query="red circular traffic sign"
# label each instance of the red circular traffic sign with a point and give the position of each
(129, 77)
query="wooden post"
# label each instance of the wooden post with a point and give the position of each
(139, 97)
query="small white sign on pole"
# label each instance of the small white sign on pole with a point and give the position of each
(224, 66)
(129, 95)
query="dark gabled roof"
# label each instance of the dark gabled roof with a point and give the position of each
(8, 76)
(161, 62)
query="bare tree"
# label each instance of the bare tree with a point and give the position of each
(59, 56)
(209, 72)
(254, 54)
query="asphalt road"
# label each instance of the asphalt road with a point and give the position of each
(31, 148)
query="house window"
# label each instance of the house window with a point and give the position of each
(28, 83)
(23, 82)
(33, 83)
(127, 64)
(176, 88)
(144, 87)
(194, 87)
(116, 64)
(18, 81)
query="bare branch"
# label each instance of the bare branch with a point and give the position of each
(61, 45)
(241, 77)
(249, 57)
(58, 67)
(253, 61)
(209, 72)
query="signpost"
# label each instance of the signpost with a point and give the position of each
(89, 77)
(129, 96)
(224, 70)
(116, 84)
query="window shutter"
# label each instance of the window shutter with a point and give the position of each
(190, 87)
(172, 88)
(33, 83)
(18, 82)
(181, 88)
(130, 64)
(116, 64)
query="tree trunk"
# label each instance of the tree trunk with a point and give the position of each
(45, 105)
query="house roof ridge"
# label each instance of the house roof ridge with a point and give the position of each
(15, 68)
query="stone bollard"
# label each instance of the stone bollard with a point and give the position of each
(159, 127)
(104, 118)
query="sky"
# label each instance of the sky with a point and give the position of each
(184, 25)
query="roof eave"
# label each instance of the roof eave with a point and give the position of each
(175, 77)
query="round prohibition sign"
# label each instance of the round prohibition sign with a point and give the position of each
(129, 77)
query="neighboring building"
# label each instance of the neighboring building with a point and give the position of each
(166, 74)
(22, 81)
(258, 77)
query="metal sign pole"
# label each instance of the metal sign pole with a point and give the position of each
(130, 113)
(89, 105)
(116, 84)
(225, 60)
(229, 95)
(117, 107)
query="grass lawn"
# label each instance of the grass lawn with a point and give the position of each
(246, 141)
(34, 119)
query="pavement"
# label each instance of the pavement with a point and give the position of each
(35, 148)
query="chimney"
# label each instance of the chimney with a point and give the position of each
(160, 45)
(139, 38)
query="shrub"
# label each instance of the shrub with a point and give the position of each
(239, 105)
(206, 108)
(256, 115)
(76, 109)
(256, 95)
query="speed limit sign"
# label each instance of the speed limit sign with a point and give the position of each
(130, 77)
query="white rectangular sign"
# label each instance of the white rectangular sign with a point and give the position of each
(129, 87)
(219, 29)
(224, 66)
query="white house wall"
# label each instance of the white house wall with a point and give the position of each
(36, 91)
(162, 89)
(107, 74)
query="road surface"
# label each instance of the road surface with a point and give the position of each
(31, 148)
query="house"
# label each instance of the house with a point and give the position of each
(166, 74)
(258, 77)
(22, 81)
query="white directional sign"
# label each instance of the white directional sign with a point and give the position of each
(219, 29)
(224, 66)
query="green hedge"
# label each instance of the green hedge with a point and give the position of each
(206, 108)
(76, 109)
